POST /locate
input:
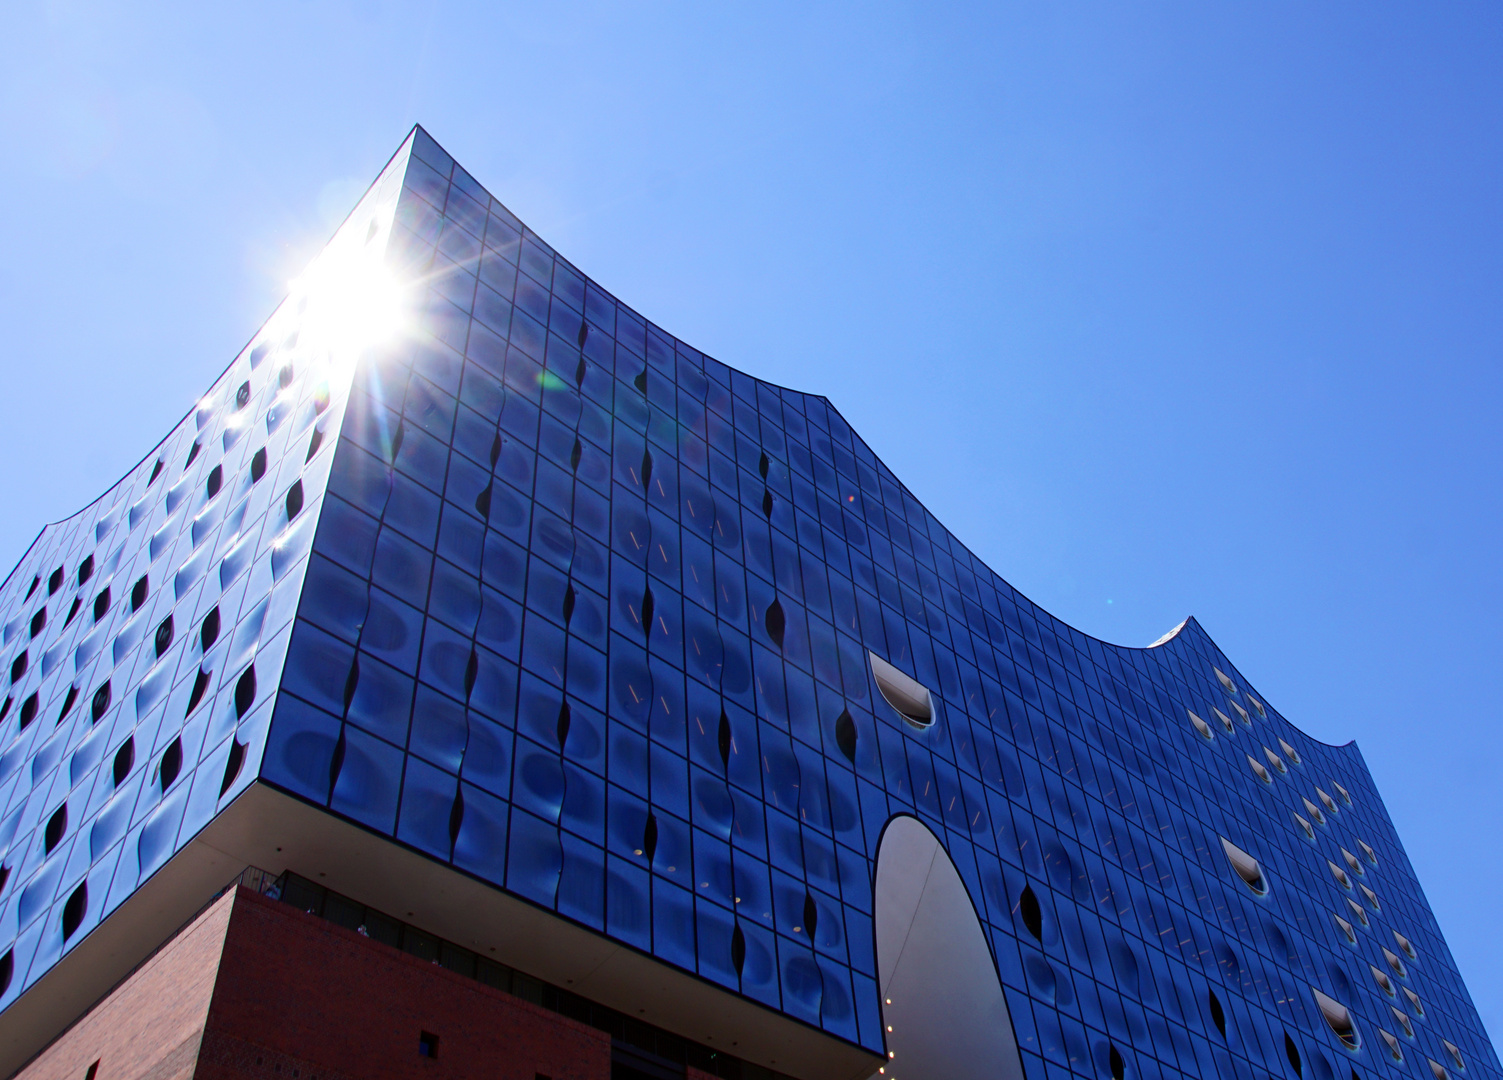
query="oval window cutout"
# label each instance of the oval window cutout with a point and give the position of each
(1246, 866)
(1339, 1018)
(909, 697)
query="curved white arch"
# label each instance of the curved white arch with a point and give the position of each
(943, 1005)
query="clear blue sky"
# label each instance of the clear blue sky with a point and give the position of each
(1165, 309)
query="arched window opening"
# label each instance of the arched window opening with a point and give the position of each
(908, 696)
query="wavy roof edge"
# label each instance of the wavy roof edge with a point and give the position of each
(409, 144)
(197, 401)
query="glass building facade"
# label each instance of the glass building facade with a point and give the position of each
(541, 592)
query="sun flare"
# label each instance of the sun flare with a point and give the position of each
(349, 301)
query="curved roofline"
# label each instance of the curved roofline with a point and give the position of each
(86, 507)
(1168, 639)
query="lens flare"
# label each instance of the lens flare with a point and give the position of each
(348, 302)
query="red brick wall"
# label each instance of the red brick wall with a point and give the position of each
(256, 990)
(151, 1025)
(301, 999)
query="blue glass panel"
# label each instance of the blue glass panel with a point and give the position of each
(581, 886)
(368, 782)
(480, 845)
(534, 858)
(628, 901)
(299, 758)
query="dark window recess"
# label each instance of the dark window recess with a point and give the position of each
(4, 877)
(629, 1061)
(200, 686)
(215, 481)
(258, 357)
(7, 969)
(172, 762)
(18, 666)
(471, 672)
(208, 630)
(93, 1071)
(233, 765)
(193, 454)
(294, 500)
(73, 611)
(541, 1076)
(845, 735)
(657, 1053)
(738, 948)
(5, 709)
(101, 604)
(242, 396)
(258, 465)
(427, 1044)
(125, 760)
(34, 583)
(650, 838)
(156, 471)
(1030, 912)
(164, 635)
(245, 692)
(86, 570)
(55, 582)
(1115, 1063)
(74, 909)
(139, 591)
(1292, 1053)
(57, 825)
(28, 710)
(776, 622)
(723, 738)
(1218, 1014)
(101, 703)
(456, 819)
(284, 377)
(351, 683)
(314, 443)
(337, 760)
(68, 701)
(38, 621)
(649, 604)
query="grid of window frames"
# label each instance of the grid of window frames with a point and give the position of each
(588, 616)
